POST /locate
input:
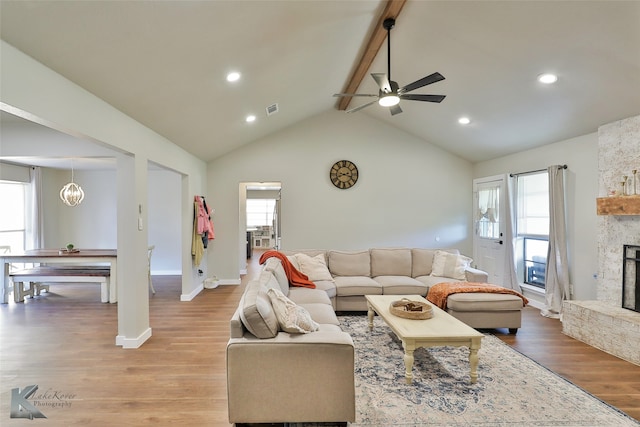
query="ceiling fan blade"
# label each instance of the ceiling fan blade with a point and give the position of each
(353, 110)
(355, 94)
(395, 109)
(435, 77)
(428, 98)
(383, 81)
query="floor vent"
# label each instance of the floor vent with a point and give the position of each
(272, 109)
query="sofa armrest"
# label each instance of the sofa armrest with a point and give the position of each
(291, 378)
(237, 329)
(475, 275)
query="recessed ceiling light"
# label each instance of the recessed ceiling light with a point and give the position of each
(233, 76)
(547, 78)
(250, 118)
(464, 120)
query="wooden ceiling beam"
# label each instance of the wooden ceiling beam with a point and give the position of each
(391, 10)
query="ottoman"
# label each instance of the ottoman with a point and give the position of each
(486, 310)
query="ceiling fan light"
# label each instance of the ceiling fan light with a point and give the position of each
(389, 100)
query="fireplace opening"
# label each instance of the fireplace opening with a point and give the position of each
(631, 278)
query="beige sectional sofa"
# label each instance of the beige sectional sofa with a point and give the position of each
(275, 374)
(378, 271)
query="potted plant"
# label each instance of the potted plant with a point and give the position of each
(69, 247)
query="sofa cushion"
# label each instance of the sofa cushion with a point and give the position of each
(292, 259)
(475, 275)
(398, 285)
(422, 260)
(446, 264)
(357, 285)
(478, 301)
(350, 263)
(314, 267)
(256, 312)
(322, 313)
(292, 318)
(274, 265)
(310, 252)
(328, 286)
(429, 281)
(309, 296)
(268, 279)
(390, 262)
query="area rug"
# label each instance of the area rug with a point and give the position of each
(512, 390)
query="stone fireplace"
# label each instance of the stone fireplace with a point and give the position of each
(604, 323)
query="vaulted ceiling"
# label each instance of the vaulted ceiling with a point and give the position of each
(164, 64)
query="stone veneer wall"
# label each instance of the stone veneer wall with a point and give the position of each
(604, 324)
(618, 155)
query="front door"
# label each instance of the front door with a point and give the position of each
(489, 226)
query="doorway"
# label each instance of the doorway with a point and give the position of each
(489, 226)
(260, 219)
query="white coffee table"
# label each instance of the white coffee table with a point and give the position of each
(440, 330)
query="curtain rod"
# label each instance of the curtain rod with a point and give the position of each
(539, 170)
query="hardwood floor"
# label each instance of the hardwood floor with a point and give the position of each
(64, 342)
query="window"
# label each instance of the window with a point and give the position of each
(260, 212)
(532, 227)
(489, 211)
(12, 221)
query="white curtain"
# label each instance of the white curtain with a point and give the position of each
(34, 218)
(557, 275)
(488, 204)
(510, 275)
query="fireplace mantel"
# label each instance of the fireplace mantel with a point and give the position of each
(619, 205)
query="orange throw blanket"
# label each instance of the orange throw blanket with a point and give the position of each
(439, 293)
(296, 278)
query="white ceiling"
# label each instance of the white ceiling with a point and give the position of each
(164, 64)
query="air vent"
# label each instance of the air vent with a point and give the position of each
(272, 109)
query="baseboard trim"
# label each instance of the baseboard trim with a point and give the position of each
(230, 282)
(536, 304)
(125, 342)
(166, 272)
(192, 294)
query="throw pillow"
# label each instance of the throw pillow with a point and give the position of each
(314, 267)
(450, 265)
(291, 317)
(292, 259)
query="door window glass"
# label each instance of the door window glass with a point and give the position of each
(488, 212)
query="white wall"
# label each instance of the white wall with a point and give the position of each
(581, 188)
(93, 223)
(164, 222)
(34, 92)
(408, 194)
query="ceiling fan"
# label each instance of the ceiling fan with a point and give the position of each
(389, 94)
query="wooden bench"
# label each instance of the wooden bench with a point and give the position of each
(60, 274)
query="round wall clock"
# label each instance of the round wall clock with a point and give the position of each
(343, 174)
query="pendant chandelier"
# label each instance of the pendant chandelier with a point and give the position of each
(71, 194)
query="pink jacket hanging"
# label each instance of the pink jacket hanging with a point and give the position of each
(205, 224)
